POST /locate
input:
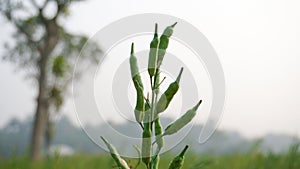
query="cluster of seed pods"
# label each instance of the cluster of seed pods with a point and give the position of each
(147, 112)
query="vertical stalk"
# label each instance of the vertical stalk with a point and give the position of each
(152, 107)
(152, 115)
(154, 90)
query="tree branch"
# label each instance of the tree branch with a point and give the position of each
(25, 33)
(44, 5)
(60, 6)
(9, 16)
(40, 8)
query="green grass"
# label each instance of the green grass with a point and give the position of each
(251, 160)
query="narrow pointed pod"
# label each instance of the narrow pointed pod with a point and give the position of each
(178, 161)
(140, 105)
(158, 133)
(138, 84)
(153, 54)
(163, 43)
(121, 163)
(156, 83)
(182, 121)
(146, 140)
(166, 98)
(159, 141)
(135, 74)
(156, 162)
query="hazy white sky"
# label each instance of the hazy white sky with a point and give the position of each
(258, 43)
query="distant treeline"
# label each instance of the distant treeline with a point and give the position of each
(15, 137)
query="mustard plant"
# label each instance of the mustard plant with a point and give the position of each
(147, 113)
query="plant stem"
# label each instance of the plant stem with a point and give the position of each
(154, 91)
(152, 114)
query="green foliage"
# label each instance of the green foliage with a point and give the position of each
(59, 69)
(249, 160)
(59, 66)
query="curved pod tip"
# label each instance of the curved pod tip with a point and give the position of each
(132, 48)
(174, 24)
(184, 150)
(197, 105)
(179, 75)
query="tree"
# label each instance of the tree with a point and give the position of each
(46, 50)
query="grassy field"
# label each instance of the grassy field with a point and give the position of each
(250, 160)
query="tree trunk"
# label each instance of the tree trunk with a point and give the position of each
(40, 118)
(42, 109)
(49, 134)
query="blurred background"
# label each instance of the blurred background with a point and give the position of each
(257, 43)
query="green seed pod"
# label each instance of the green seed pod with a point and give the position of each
(146, 141)
(146, 145)
(163, 43)
(153, 54)
(168, 95)
(139, 108)
(146, 114)
(135, 75)
(156, 162)
(182, 121)
(178, 161)
(156, 82)
(121, 163)
(158, 133)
